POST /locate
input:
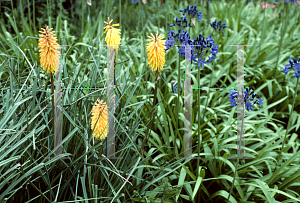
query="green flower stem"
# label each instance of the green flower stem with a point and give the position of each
(212, 73)
(52, 92)
(115, 63)
(151, 119)
(281, 38)
(289, 123)
(198, 160)
(178, 93)
(238, 157)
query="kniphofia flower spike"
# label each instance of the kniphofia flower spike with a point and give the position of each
(112, 35)
(156, 55)
(49, 54)
(100, 109)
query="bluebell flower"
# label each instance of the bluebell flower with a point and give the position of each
(249, 106)
(232, 97)
(214, 50)
(135, 1)
(181, 50)
(286, 69)
(192, 11)
(200, 44)
(201, 62)
(210, 59)
(169, 43)
(260, 101)
(286, 1)
(247, 98)
(293, 64)
(218, 26)
(297, 70)
(247, 94)
(200, 17)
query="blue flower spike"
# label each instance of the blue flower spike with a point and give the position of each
(286, 1)
(218, 26)
(247, 100)
(135, 1)
(201, 45)
(293, 64)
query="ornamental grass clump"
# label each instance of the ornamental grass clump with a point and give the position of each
(99, 123)
(156, 57)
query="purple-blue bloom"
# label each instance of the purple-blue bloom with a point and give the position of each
(249, 106)
(286, 69)
(260, 101)
(135, 1)
(247, 98)
(232, 95)
(201, 62)
(297, 70)
(293, 64)
(219, 25)
(201, 45)
(286, 1)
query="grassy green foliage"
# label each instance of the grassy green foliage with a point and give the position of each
(26, 135)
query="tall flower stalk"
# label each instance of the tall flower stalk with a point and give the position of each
(113, 38)
(295, 64)
(215, 26)
(49, 56)
(199, 45)
(113, 41)
(247, 101)
(156, 58)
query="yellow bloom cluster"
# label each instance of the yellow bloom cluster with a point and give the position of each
(156, 55)
(101, 128)
(49, 54)
(112, 35)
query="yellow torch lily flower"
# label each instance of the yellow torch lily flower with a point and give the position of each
(49, 54)
(101, 128)
(156, 55)
(112, 35)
